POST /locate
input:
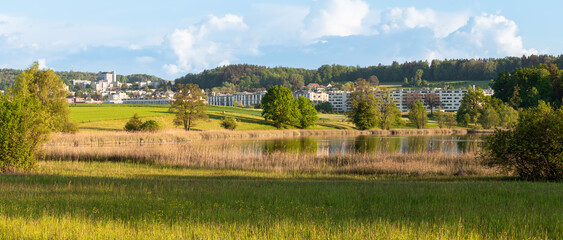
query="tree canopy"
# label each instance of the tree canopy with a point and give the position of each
(188, 106)
(32, 108)
(279, 106)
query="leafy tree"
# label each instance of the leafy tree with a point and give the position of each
(307, 112)
(508, 116)
(188, 106)
(279, 106)
(324, 107)
(533, 149)
(373, 80)
(411, 98)
(471, 104)
(440, 118)
(432, 100)
(363, 109)
(490, 118)
(29, 111)
(49, 89)
(450, 120)
(417, 115)
(229, 123)
(389, 112)
(134, 123)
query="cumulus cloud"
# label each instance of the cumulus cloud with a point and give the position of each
(338, 18)
(489, 35)
(211, 43)
(441, 23)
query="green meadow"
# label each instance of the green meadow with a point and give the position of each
(108, 117)
(116, 200)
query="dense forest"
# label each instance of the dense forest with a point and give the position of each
(244, 77)
(8, 77)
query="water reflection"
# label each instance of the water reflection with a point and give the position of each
(366, 144)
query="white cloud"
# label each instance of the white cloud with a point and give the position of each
(490, 35)
(441, 23)
(212, 43)
(42, 64)
(144, 60)
(338, 18)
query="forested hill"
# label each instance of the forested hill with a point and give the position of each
(8, 77)
(245, 77)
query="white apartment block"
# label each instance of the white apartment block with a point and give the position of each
(313, 96)
(451, 99)
(340, 100)
(244, 98)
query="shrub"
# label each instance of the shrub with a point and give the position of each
(134, 124)
(150, 126)
(229, 123)
(533, 149)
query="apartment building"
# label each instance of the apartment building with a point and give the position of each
(243, 98)
(340, 100)
(313, 96)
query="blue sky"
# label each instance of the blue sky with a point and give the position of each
(171, 38)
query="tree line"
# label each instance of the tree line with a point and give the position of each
(8, 77)
(245, 77)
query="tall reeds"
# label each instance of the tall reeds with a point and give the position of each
(207, 155)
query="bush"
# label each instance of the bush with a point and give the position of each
(533, 149)
(134, 124)
(150, 126)
(229, 123)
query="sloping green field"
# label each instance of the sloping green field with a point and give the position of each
(108, 117)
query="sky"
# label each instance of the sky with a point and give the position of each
(169, 39)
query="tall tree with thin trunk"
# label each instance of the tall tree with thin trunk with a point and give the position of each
(432, 100)
(417, 115)
(188, 106)
(411, 98)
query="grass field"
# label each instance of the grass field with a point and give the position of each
(109, 200)
(109, 117)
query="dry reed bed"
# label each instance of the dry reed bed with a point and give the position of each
(232, 157)
(100, 139)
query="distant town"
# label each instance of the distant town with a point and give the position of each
(112, 91)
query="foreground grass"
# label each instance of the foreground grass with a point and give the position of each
(101, 200)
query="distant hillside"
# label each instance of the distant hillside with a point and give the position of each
(244, 77)
(8, 77)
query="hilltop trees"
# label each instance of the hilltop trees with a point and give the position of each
(30, 110)
(188, 106)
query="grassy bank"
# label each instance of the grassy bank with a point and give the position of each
(107, 200)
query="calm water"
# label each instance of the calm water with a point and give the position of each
(362, 144)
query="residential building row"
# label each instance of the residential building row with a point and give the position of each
(341, 100)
